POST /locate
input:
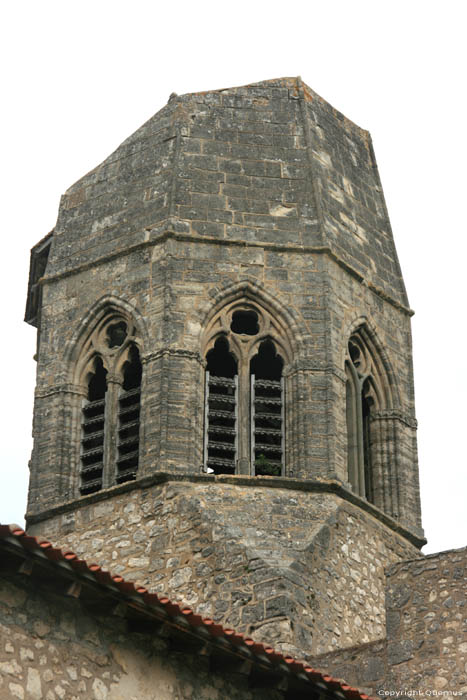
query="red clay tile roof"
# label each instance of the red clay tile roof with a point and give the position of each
(126, 588)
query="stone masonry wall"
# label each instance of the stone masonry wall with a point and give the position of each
(302, 571)
(426, 605)
(352, 208)
(270, 162)
(172, 286)
(364, 666)
(266, 188)
(51, 648)
(425, 650)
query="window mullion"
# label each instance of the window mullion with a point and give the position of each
(243, 462)
(206, 421)
(110, 432)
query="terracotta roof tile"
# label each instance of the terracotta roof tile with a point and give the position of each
(105, 578)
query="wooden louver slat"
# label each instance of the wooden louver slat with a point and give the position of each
(267, 426)
(92, 446)
(220, 439)
(128, 434)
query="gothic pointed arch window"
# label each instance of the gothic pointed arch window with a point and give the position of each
(109, 369)
(244, 392)
(367, 396)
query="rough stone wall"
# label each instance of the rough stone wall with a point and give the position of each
(51, 648)
(427, 623)
(364, 666)
(425, 649)
(351, 201)
(300, 570)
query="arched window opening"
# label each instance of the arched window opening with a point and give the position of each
(351, 395)
(244, 396)
(93, 430)
(361, 382)
(129, 403)
(108, 372)
(220, 442)
(267, 411)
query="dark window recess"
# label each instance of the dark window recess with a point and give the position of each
(267, 411)
(116, 334)
(220, 441)
(37, 267)
(92, 436)
(367, 402)
(245, 323)
(360, 431)
(129, 404)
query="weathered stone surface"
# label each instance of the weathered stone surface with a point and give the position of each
(115, 663)
(267, 197)
(248, 556)
(262, 192)
(426, 644)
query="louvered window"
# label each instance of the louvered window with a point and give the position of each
(244, 402)
(111, 371)
(267, 436)
(267, 411)
(93, 431)
(129, 402)
(221, 410)
(221, 423)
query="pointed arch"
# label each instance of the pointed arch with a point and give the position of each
(372, 395)
(363, 326)
(107, 344)
(258, 330)
(248, 292)
(77, 355)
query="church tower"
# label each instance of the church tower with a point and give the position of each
(224, 407)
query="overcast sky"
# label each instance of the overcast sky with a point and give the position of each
(79, 77)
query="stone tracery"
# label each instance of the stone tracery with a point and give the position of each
(369, 403)
(245, 349)
(109, 373)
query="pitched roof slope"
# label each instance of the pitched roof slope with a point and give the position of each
(16, 544)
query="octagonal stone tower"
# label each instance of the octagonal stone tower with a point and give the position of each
(224, 406)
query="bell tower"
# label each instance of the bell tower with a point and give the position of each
(224, 405)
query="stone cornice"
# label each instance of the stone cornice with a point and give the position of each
(164, 231)
(394, 414)
(329, 486)
(62, 388)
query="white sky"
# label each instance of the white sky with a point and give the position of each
(81, 76)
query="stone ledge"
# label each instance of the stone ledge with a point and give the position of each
(164, 231)
(330, 486)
